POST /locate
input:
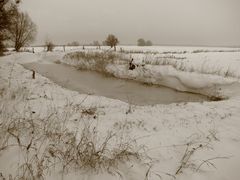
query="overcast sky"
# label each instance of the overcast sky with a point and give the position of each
(166, 22)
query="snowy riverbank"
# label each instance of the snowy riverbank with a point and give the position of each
(182, 141)
(189, 72)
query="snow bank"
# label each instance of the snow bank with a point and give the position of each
(180, 73)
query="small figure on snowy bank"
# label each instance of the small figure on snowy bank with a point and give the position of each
(131, 65)
(33, 74)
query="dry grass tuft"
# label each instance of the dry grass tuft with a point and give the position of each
(97, 61)
(46, 144)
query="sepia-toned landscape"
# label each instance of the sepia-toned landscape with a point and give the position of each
(82, 103)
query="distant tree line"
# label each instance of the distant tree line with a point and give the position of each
(142, 42)
(111, 40)
(74, 43)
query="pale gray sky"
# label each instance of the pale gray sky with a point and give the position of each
(173, 22)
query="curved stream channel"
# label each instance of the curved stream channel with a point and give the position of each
(90, 82)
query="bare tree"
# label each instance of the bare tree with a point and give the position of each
(97, 44)
(141, 42)
(149, 43)
(7, 10)
(22, 31)
(49, 44)
(112, 41)
(104, 43)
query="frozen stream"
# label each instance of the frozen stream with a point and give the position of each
(90, 82)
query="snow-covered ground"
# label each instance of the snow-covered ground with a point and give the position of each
(184, 141)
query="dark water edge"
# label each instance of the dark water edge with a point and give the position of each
(91, 82)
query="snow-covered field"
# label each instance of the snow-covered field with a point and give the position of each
(184, 141)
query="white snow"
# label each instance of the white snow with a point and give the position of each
(166, 131)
